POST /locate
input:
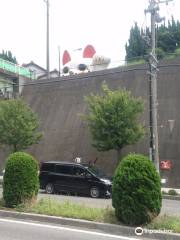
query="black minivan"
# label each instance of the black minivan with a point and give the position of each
(74, 178)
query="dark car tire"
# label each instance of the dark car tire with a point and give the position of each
(94, 192)
(49, 188)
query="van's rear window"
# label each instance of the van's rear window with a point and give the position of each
(47, 167)
(64, 169)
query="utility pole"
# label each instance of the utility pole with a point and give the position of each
(153, 9)
(47, 40)
(59, 59)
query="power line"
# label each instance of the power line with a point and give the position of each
(128, 62)
(88, 75)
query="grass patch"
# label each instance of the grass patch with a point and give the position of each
(1, 203)
(136, 62)
(106, 215)
(166, 222)
(70, 210)
(170, 56)
(77, 211)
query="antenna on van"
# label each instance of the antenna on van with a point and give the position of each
(95, 160)
(92, 162)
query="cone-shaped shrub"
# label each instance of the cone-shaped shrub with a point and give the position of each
(21, 182)
(136, 192)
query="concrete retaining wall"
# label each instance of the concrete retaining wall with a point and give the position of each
(60, 102)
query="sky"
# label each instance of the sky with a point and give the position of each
(73, 24)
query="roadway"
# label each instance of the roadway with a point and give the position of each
(27, 230)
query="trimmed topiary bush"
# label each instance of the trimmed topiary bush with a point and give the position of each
(21, 181)
(136, 192)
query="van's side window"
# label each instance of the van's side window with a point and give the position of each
(64, 169)
(79, 171)
(47, 167)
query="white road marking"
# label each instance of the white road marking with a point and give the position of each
(65, 228)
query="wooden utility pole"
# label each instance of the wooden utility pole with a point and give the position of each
(153, 9)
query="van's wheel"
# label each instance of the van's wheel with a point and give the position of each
(50, 188)
(94, 192)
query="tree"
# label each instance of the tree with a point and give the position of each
(168, 40)
(136, 45)
(18, 125)
(8, 56)
(113, 119)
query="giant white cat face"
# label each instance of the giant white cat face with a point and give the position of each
(86, 60)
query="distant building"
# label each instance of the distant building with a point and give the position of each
(34, 68)
(39, 71)
(6, 88)
(13, 76)
(53, 74)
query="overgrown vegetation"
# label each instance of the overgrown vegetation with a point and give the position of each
(21, 181)
(70, 210)
(136, 192)
(166, 222)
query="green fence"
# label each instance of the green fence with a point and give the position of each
(16, 69)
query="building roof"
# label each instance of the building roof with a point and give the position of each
(33, 64)
(51, 72)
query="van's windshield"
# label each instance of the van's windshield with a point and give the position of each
(96, 171)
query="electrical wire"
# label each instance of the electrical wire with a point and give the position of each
(88, 75)
(80, 76)
(118, 62)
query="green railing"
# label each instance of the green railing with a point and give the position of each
(16, 69)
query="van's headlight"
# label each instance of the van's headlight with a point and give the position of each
(106, 181)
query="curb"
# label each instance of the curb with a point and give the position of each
(170, 197)
(104, 227)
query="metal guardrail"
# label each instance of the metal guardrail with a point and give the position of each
(16, 69)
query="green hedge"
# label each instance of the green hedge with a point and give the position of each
(136, 192)
(21, 182)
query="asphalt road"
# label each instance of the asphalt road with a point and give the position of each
(88, 201)
(169, 207)
(23, 230)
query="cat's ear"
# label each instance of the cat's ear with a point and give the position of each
(89, 51)
(66, 57)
